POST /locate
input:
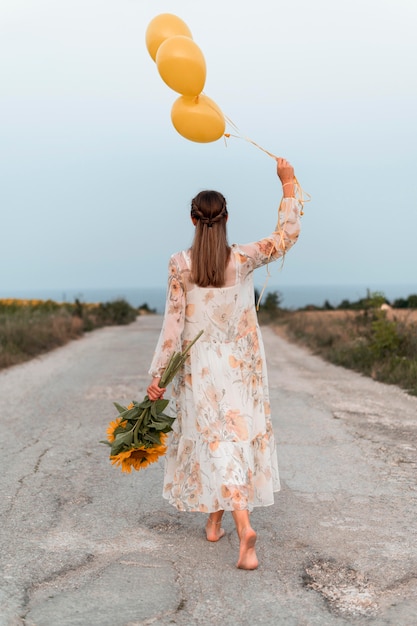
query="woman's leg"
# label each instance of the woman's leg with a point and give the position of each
(247, 537)
(214, 531)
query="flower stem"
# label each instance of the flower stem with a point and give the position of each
(136, 426)
(176, 361)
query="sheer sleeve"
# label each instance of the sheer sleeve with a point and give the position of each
(281, 240)
(170, 337)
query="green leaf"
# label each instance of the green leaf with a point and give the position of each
(161, 405)
(119, 407)
(106, 442)
(163, 417)
(122, 440)
(159, 425)
(146, 418)
(127, 413)
(162, 422)
(153, 437)
(163, 428)
(126, 437)
(145, 404)
(135, 412)
(118, 430)
(166, 416)
(154, 409)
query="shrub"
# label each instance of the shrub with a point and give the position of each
(384, 340)
(117, 312)
(365, 341)
(145, 309)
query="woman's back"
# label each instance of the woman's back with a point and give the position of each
(182, 292)
(223, 312)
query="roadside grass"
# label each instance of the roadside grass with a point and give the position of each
(375, 342)
(29, 328)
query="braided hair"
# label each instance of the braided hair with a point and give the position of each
(210, 251)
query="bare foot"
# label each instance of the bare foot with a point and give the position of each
(247, 554)
(214, 531)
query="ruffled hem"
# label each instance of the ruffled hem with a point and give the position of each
(229, 475)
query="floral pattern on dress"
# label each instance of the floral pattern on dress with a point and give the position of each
(221, 452)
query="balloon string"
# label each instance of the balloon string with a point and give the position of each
(281, 245)
(227, 135)
(300, 195)
(240, 136)
(268, 276)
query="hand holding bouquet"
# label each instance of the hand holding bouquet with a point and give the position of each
(137, 437)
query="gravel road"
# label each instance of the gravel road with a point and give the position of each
(84, 545)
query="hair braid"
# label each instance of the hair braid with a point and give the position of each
(210, 250)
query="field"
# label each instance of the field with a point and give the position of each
(31, 327)
(381, 343)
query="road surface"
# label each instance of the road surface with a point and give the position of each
(84, 545)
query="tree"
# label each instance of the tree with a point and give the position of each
(271, 302)
(412, 301)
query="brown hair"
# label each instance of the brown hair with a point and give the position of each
(210, 251)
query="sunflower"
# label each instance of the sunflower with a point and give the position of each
(137, 437)
(112, 427)
(139, 458)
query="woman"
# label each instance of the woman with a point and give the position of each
(221, 453)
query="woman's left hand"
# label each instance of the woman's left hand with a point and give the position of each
(154, 390)
(285, 171)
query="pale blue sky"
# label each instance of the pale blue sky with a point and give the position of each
(96, 183)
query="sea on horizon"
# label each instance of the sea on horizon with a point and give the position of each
(292, 296)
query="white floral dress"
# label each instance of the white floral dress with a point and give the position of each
(221, 452)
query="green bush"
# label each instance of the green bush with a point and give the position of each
(117, 312)
(385, 340)
(406, 303)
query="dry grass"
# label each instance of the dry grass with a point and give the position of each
(29, 328)
(24, 336)
(378, 343)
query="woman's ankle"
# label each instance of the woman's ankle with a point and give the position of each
(216, 517)
(214, 531)
(242, 521)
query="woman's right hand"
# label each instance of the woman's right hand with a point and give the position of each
(154, 390)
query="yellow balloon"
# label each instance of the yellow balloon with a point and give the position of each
(163, 27)
(181, 65)
(198, 119)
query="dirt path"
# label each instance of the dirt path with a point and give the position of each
(84, 545)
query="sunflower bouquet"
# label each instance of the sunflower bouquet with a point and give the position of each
(137, 436)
